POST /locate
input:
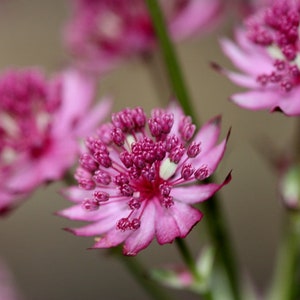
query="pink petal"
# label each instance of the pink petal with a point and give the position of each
(198, 193)
(166, 228)
(290, 104)
(209, 134)
(185, 216)
(237, 78)
(76, 194)
(77, 212)
(94, 117)
(212, 158)
(142, 237)
(197, 16)
(252, 63)
(97, 228)
(77, 94)
(257, 99)
(176, 110)
(113, 238)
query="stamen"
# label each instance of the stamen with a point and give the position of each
(201, 173)
(90, 205)
(167, 169)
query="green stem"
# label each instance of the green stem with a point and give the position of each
(192, 265)
(188, 258)
(221, 240)
(286, 282)
(216, 225)
(140, 275)
(172, 65)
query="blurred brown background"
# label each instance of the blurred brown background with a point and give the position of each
(49, 263)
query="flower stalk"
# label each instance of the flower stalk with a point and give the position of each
(286, 280)
(138, 271)
(215, 220)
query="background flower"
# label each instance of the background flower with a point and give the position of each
(136, 184)
(100, 33)
(40, 124)
(267, 54)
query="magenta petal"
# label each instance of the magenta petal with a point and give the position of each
(197, 16)
(77, 212)
(212, 158)
(112, 239)
(186, 217)
(209, 134)
(77, 94)
(177, 112)
(198, 193)
(76, 194)
(97, 228)
(257, 100)
(242, 80)
(96, 116)
(143, 236)
(166, 228)
(250, 62)
(290, 105)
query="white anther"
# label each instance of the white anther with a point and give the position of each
(167, 169)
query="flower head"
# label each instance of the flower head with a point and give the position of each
(267, 52)
(100, 32)
(136, 183)
(40, 122)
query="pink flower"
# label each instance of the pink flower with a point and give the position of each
(136, 184)
(100, 33)
(267, 54)
(8, 290)
(40, 123)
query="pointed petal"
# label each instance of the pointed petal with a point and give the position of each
(257, 100)
(209, 134)
(237, 78)
(96, 228)
(113, 238)
(143, 236)
(176, 110)
(212, 158)
(197, 16)
(290, 105)
(76, 194)
(186, 217)
(166, 229)
(77, 94)
(198, 193)
(249, 62)
(94, 117)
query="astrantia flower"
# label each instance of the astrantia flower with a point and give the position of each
(8, 290)
(102, 32)
(137, 183)
(40, 122)
(267, 52)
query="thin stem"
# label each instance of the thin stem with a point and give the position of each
(139, 273)
(287, 277)
(192, 265)
(216, 224)
(188, 258)
(172, 64)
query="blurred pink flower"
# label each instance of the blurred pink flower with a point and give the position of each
(100, 33)
(40, 122)
(8, 290)
(267, 54)
(136, 184)
(247, 7)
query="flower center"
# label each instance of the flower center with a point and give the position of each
(141, 167)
